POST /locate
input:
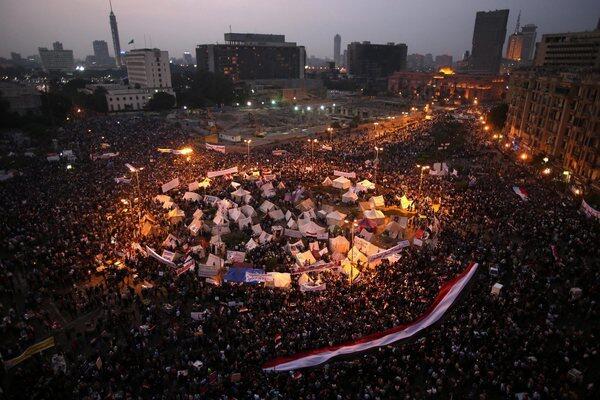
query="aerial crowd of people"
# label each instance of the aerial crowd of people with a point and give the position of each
(128, 326)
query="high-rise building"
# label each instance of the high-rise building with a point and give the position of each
(488, 40)
(428, 62)
(114, 29)
(569, 50)
(249, 56)
(337, 47)
(100, 49)
(521, 44)
(148, 68)
(552, 113)
(187, 58)
(443, 60)
(57, 59)
(415, 62)
(367, 60)
(101, 58)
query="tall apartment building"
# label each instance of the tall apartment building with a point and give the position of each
(148, 68)
(557, 114)
(57, 59)
(488, 40)
(367, 60)
(249, 56)
(521, 45)
(573, 50)
(337, 47)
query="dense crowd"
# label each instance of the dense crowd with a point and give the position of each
(127, 332)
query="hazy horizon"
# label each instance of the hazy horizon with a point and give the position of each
(426, 26)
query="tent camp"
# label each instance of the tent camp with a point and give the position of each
(191, 196)
(248, 211)
(405, 202)
(267, 190)
(280, 280)
(342, 182)
(306, 205)
(335, 218)
(198, 213)
(327, 182)
(162, 198)
(339, 244)
(355, 257)
(195, 226)
(276, 215)
(349, 197)
(377, 201)
(394, 230)
(234, 214)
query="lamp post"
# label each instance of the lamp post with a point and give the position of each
(330, 130)
(567, 176)
(312, 144)
(377, 150)
(422, 168)
(247, 141)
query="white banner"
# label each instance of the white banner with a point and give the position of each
(217, 148)
(236, 256)
(170, 185)
(257, 277)
(392, 250)
(306, 287)
(157, 256)
(214, 174)
(345, 174)
(293, 233)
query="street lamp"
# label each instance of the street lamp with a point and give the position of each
(330, 130)
(423, 169)
(312, 143)
(248, 141)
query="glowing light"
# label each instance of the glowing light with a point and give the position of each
(186, 150)
(249, 103)
(524, 156)
(577, 192)
(69, 166)
(308, 108)
(296, 108)
(546, 171)
(272, 102)
(322, 107)
(507, 145)
(545, 159)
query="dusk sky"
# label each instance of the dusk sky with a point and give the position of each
(434, 26)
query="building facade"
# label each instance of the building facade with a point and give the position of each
(57, 59)
(558, 115)
(148, 68)
(247, 56)
(367, 60)
(131, 99)
(443, 60)
(22, 99)
(571, 50)
(337, 48)
(488, 40)
(101, 58)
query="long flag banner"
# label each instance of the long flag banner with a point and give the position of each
(170, 185)
(392, 250)
(345, 174)
(589, 210)
(521, 192)
(446, 297)
(317, 267)
(257, 277)
(30, 351)
(160, 258)
(220, 149)
(214, 174)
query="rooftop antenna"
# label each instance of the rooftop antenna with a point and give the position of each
(229, 28)
(518, 22)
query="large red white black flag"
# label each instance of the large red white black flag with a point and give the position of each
(447, 296)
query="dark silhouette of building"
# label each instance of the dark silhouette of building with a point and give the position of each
(248, 56)
(367, 60)
(114, 29)
(337, 47)
(488, 40)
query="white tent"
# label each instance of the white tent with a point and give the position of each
(205, 183)
(176, 216)
(248, 211)
(266, 206)
(239, 194)
(224, 204)
(349, 197)
(168, 204)
(234, 214)
(264, 237)
(162, 198)
(276, 215)
(339, 244)
(377, 201)
(235, 185)
(267, 190)
(327, 182)
(305, 258)
(341, 182)
(335, 218)
(243, 222)
(304, 279)
(251, 244)
(365, 247)
(394, 229)
(311, 229)
(219, 219)
(365, 185)
(198, 213)
(215, 261)
(405, 202)
(256, 229)
(191, 196)
(280, 279)
(306, 205)
(374, 215)
(291, 224)
(195, 226)
(355, 256)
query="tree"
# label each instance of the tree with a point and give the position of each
(497, 116)
(161, 101)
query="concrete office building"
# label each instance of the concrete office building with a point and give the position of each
(57, 59)
(558, 115)
(367, 60)
(101, 58)
(488, 40)
(337, 47)
(249, 56)
(569, 50)
(148, 68)
(22, 99)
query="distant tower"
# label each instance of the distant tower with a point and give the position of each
(337, 44)
(518, 23)
(115, 36)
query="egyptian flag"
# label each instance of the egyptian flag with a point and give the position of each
(521, 192)
(277, 340)
(446, 298)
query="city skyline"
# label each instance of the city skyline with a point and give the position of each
(446, 27)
